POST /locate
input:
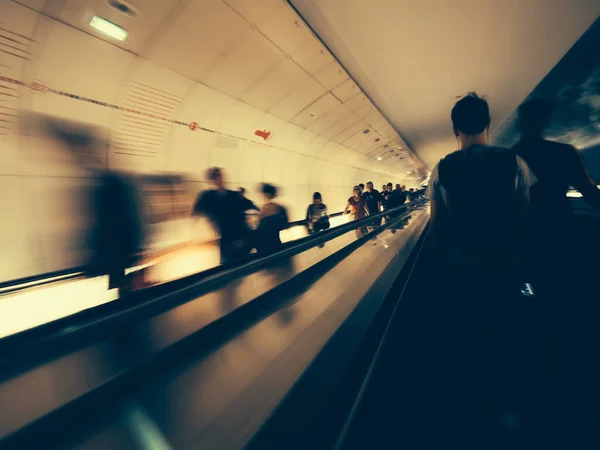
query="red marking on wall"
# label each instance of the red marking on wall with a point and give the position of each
(193, 126)
(266, 135)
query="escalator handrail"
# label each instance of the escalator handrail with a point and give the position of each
(42, 279)
(128, 374)
(19, 284)
(169, 291)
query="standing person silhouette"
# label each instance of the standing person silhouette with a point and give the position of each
(273, 219)
(356, 204)
(477, 236)
(556, 166)
(227, 211)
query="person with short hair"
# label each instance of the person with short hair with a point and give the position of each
(317, 218)
(273, 219)
(387, 201)
(362, 188)
(372, 199)
(478, 231)
(557, 166)
(485, 225)
(226, 210)
(400, 195)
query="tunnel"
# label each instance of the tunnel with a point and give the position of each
(341, 334)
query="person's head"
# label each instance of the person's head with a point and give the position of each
(242, 191)
(390, 186)
(81, 142)
(471, 120)
(398, 188)
(215, 175)
(356, 191)
(382, 187)
(317, 198)
(411, 190)
(361, 186)
(269, 191)
(534, 117)
(403, 187)
(370, 186)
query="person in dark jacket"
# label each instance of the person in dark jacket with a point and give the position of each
(227, 211)
(118, 229)
(477, 237)
(273, 219)
(557, 166)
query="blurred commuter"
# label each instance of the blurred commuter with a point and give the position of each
(387, 200)
(362, 188)
(411, 195)
(477, 236)
(356, 205)
(251, 211)
(556, 166)
(273, 219)
(317, 218)
(564, 267)
(400, 195)
(226, 210)
(481, 227)
(372, 199)
(118, 228)
(248, 204)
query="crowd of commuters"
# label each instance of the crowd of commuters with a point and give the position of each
(369, 202)
(244, 226)
(228, 210)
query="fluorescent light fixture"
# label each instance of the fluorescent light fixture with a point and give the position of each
(379, 158)
(110, 29)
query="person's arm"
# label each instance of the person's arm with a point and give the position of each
(438, 214)
(249, 205)
(309, 219)
(525, 179)
(582, 181)
(345, 211)
(284, 217)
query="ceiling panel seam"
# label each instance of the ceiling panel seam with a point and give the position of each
(177, 112)
(408, 143)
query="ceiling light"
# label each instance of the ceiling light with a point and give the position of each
(110, 29)
(379, 158)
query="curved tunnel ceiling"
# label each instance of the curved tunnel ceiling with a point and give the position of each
(413, 58)
(240, 84)
(228, 67)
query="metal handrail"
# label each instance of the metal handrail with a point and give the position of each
(157, 294)
(19, 284)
